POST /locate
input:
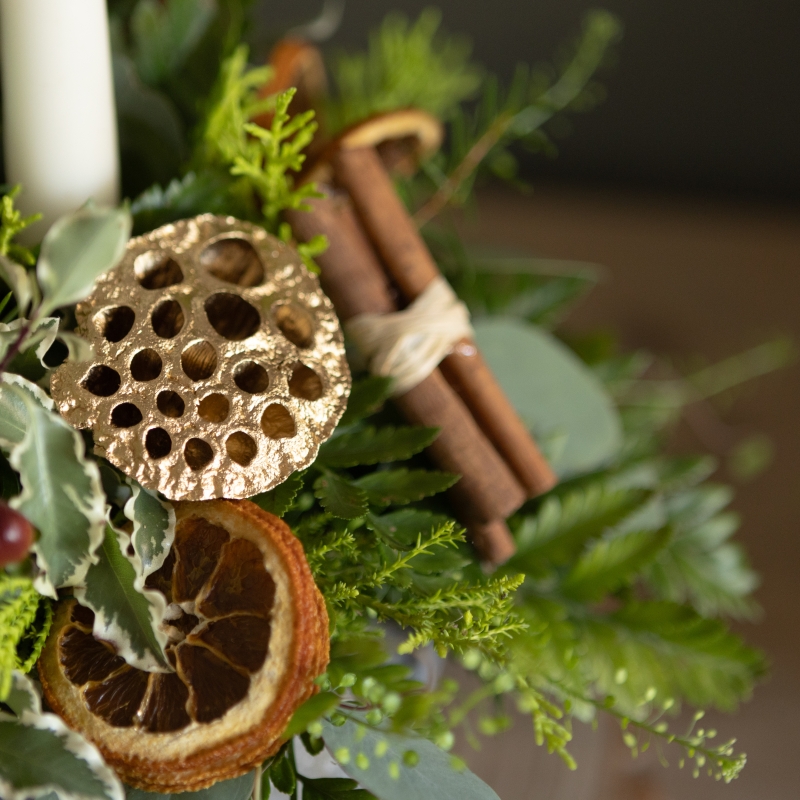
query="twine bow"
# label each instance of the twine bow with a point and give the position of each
(408, 345)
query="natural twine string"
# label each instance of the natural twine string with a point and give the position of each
(408, 345)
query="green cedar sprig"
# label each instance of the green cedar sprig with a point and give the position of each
(261, 158)
(405, 65)
(25, 618)
(13, 223)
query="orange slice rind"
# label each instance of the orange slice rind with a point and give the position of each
(248, 635)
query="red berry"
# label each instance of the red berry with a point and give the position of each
(16, 535)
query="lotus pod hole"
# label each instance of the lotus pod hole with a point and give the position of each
(116, 323)
(233, 261)
(156, 270)
(126, 415)
(170, 404)
(167, 319)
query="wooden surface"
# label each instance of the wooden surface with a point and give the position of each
(684, 277)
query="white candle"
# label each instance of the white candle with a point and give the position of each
(59, 124)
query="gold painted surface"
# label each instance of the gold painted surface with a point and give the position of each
(257, 363)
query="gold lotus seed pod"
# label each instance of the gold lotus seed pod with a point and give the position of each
(219, 364)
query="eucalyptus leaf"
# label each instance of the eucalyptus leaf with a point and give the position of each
(235, 789)
(434, 777)
(151, 134)
(62, 494)
(553, 392)
(77, 249)
(39, 755)
(125, 615)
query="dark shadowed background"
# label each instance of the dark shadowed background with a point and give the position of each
(705, 94)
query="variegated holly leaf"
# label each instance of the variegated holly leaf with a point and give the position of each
(153, 530)
(77, 249)
(79, 349)
(39, 755)
(125, 615)
(20, 281)
(14, 411)
(62, 495)
(41, 333)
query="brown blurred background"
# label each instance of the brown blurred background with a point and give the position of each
(685, 276)
(684, 185)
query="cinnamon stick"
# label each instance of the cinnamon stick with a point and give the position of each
(493, 540)
(412, 267)
(354, 279)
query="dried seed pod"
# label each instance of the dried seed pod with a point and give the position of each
(219, 363)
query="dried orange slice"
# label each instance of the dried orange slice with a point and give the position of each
(248, 634)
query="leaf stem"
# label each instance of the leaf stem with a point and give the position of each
(600, 31)
(471, 161)
(15, 347)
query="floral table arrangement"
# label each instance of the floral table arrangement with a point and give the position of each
(295, 432)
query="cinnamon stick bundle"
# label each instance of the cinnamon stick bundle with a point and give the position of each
(408, 260)
(354, 279)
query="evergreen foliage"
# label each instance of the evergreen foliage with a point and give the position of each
(405, 65)
(618, 597)
(11, 224)
(25, 618)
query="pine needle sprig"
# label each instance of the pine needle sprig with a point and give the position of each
(720, 762)
(518, 115)
(406, 65)
(13, 223)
